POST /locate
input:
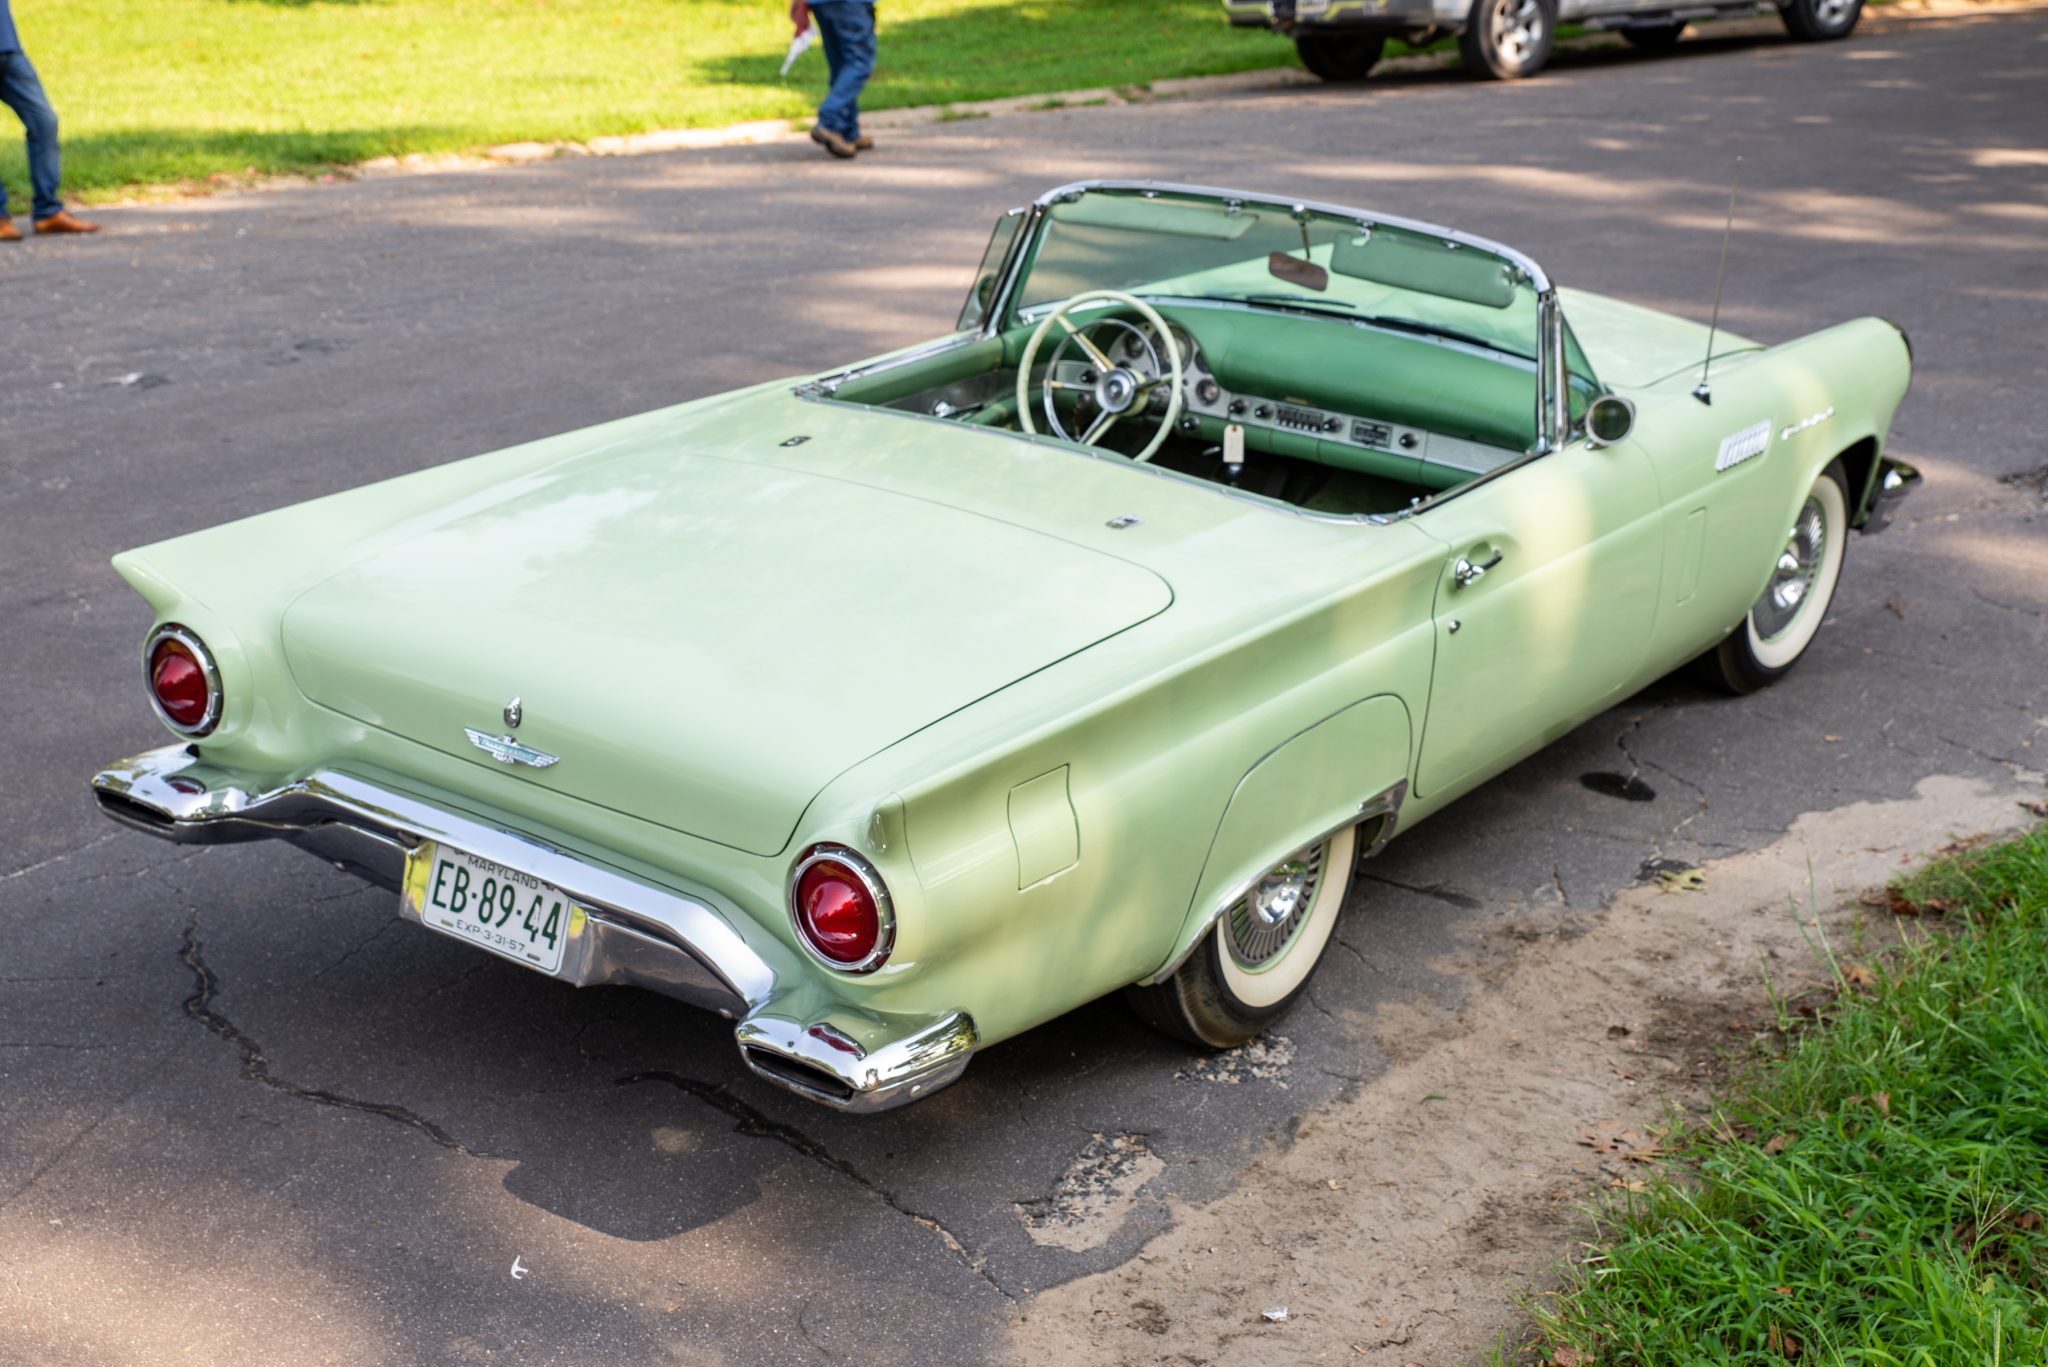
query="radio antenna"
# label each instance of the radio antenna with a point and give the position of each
(1705, 393)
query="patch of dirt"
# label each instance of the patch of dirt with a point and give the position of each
(1401, 1220)
(1266, 1059)
(1094, 1195)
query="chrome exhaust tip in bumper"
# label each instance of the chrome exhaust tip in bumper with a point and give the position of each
(854, 1060)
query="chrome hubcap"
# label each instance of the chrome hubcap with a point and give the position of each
(1832, 12)
(1266, 919)
(1517, 29)
(1792, 579)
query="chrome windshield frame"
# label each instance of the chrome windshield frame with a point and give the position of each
(1552, 401)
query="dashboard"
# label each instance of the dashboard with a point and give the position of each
(1205, 396)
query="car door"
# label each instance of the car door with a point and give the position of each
(1544, 609)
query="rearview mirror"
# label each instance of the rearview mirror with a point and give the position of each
(1295, 271)
(1609, 420)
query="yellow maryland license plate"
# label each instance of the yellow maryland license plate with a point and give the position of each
(491, 906)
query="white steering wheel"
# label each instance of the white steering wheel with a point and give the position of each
(1118, 390)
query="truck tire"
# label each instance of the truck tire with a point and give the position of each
(1340, 56)
(1505, 40)
(1653, 37)
(1820, 21)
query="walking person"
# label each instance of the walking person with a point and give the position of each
(23, 93)
(847, 29)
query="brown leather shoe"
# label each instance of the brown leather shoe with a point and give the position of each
(831, 141)
(864, 143)
(8, 232)
(63, 222)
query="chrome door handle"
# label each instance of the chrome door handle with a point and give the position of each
(1464, 574)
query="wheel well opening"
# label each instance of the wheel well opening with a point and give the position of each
(1859, 463)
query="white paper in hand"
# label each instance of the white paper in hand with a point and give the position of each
(797, 45)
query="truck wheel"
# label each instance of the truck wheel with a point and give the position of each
(1255, 963)
(1505, 40)
(1653, 37)
(1820, 21)
(1340, 56)
(1781, 624)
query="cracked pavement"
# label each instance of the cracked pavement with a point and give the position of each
(243, 1119)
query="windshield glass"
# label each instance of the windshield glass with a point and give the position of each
(1190, 246)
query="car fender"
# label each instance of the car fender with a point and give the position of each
(1352, 766)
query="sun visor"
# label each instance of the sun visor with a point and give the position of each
(1425, 265)
(1153, 216)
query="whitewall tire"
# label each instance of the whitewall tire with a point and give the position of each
(1257, 960)
(1782, 623)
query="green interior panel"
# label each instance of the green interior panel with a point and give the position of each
(914, 377)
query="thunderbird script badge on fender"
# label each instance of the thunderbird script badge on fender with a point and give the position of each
(506, 750)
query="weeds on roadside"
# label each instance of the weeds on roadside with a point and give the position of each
(1878, 1195)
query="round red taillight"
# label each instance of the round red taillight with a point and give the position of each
(842, 910)
(183, 682)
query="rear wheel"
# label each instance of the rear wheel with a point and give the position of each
(1780, 625)
(1258, 959)
(1340, 56)
(1653, 37)
(1820, 21)
(1505, 40)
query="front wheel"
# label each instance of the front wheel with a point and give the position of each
(1780, 625)
(1258, 959)
(1820, 21)
(1340, 56)
(1505, 40)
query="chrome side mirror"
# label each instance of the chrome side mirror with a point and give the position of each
(1609, 420)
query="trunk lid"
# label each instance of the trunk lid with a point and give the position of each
(702, 642)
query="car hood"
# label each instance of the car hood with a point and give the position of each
(702, 642)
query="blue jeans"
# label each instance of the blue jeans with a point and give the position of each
(847, 29)
(23, 93)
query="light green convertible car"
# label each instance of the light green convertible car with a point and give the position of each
(895, 710)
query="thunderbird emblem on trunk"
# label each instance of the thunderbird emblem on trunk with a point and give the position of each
(507, 750)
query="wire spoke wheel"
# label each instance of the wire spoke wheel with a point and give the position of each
(1783, 621)
(1266, 919)
(1258, 958)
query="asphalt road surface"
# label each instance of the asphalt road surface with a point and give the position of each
(246, 1115)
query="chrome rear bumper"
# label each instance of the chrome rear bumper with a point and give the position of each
(634, 931)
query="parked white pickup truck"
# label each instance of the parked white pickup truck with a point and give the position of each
(1340, 40)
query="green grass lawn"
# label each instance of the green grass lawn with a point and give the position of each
(154, 92)
(1879, 1195)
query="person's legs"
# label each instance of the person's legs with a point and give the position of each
(23, 93)
(848, 30)
(835, 53)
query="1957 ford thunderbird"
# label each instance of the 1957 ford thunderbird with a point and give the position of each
(894, 710)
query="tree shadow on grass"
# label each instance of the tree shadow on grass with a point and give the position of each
(120, 160)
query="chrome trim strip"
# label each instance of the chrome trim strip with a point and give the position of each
(1386, 803)
(634, 931)
(1537, 277)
